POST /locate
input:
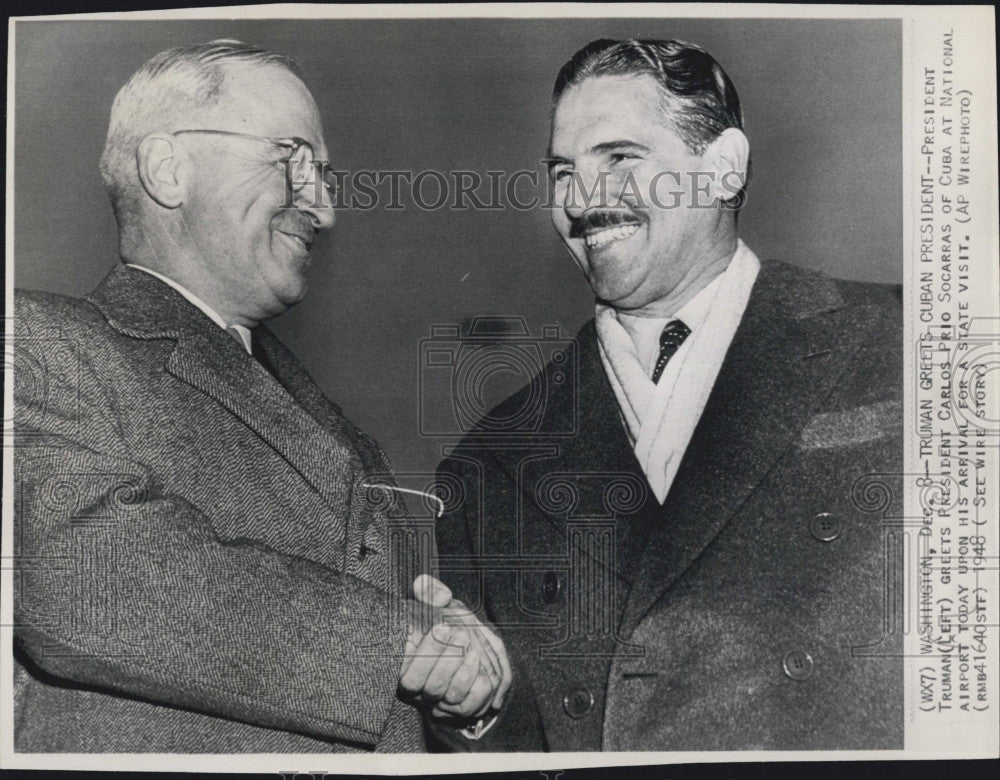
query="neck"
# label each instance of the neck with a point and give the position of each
(712, 259)
(190, 275)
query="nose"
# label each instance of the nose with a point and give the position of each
(319, 209)
(585, 189)
(572, 203)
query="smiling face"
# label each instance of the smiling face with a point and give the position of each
(254, 252)
(623, 193)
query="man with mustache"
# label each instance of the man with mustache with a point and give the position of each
(206, 545)
(676, 557)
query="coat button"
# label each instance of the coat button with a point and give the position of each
(551, 587)
(578, 703)
(825, 527)
(798, 665)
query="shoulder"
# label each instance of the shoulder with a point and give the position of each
(58, 328)
(871, 314)
(554, 368)
(878, 309)
(888, 297)
(555, 371)
(49, 323)
(806, 292)
(803, 281)
(35, 307)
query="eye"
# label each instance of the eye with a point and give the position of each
(617, 157)
(560, 173)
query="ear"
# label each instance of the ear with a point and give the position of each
(163, 167)
(726, 157)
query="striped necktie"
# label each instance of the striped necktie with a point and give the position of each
(674, 333)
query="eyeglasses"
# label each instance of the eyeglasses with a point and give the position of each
(299, 165)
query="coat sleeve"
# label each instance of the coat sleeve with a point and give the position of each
(518, 727)
(123, 586)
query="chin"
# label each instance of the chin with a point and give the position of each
(611, 288)
(291, 296)
(283, 294)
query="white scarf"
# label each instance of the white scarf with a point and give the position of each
(660, 418)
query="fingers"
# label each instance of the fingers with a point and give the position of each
(435, 643)
(458, 612)
(413, 639)
(493, 677)
(480, 698)
(431, 590)
(459, 665)
(421, 618)
(475, 704)
(448, 659)
(449, 664)
(459, 685)
(506, 672)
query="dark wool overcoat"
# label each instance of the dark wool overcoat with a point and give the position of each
(759, 606)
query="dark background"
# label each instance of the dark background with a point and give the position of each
(822, 103)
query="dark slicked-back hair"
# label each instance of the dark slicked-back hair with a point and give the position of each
(700, 100)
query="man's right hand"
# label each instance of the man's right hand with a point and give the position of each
(452, 663)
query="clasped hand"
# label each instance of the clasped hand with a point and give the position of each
(452, 663)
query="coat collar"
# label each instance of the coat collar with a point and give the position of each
(291, 414)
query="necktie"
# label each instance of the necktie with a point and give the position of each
(674, 333)
(256, 350)
(258, 353)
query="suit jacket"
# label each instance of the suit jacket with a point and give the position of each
(199, 567)
(758, 607)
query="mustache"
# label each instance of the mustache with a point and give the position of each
(297, 224)
(600, 219)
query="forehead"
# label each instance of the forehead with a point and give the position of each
(267, 100)
(604, 108)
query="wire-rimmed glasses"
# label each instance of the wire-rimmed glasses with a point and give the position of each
(300, 165)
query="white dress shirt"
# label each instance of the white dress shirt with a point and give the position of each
(242, 331)
(660, 418)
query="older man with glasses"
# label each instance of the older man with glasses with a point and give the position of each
(216, 567)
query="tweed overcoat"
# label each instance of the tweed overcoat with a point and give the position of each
(199, 568)
(758, 606)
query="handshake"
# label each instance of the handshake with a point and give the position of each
(452, 664)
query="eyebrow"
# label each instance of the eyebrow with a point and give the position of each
(614, 146)
(601, 148)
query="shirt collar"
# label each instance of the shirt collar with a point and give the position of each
(645, 331)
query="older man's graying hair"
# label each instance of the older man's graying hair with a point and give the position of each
(167, 93)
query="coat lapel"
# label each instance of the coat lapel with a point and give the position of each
(600, 445)
(793, 343)
(296, 380)
(141, 306)
(596, 463)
